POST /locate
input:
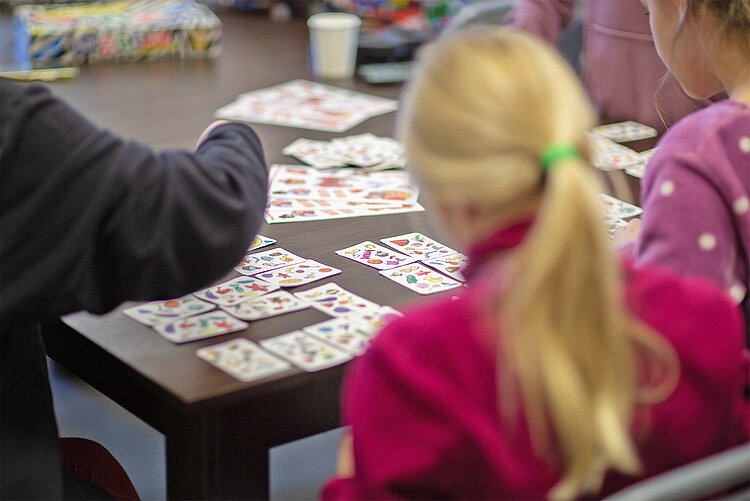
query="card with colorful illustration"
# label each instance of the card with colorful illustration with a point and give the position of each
(313, 153)
(614, 208)
(158, 311)
(346, 333)
(420, 278)
(451, 265)
(376, 320)
(267, 260)
(298, 274)
(235, 291)
(336, 301)
(338, 211)
(418, 246)
(244, 360)
(214, 323)
(269, 305)
(260, 241)
(612, 225)
(623, 132)
(305, 351)
(608, 155)
(377, 256)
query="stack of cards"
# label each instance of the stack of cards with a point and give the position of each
(300, 193)
(307, 105)
(364, 150)
(623, 132)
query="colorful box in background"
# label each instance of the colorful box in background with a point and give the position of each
(123, 31)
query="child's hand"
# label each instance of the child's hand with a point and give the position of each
(627, 233)
(345, 463)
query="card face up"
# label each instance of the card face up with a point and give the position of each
(158, 311)
(235, 291)
(267, 260)
(418, 246)
(305, 351)
(298, 274)
(243, 360)
(268, 305)
(614, 208)
(209, 324)
(420, 278)
(336, 301)
(347, 333)
(377, 256)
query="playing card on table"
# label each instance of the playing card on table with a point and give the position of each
(347, 333)
(608, 155)
(243, 359)
(275, 215)
(336, 301)
(260, 241)
(314, 153)
(235, 291)
(306, 351)
(420, 278)
(418, 246)
(639, 169)
(376, 320)
(157, 311)
(613, 224)
(298, 274)
(210, 324)
(614, 208)
(626, 131)
(451, 265)
(266, 260)
(269, 305)
(375, 255)
(365, 150)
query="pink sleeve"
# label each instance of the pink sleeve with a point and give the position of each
(544, 18)
(686, 224)
(404, 440)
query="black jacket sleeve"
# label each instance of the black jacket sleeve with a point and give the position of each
(90, 220)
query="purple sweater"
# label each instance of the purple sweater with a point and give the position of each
(423, 404)
(621, 67)
(695, 197)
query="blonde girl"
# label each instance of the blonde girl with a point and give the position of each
(558, 372)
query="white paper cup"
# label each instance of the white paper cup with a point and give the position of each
(333, 44)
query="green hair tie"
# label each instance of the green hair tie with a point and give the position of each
(556, 152)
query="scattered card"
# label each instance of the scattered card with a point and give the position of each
(451, 265)
(306, 351)
(376, 320)
(375, 255)
(243, 359)
(418, 246)
(348, 333)
(420, 278)
(157, 311)
(608, 155)
(613, 224)
(210, 324)
(269, 305)
(614, 208)
(267, 260)
(260, 241)
(235, 291)
(298, 274)
(623, 132)
(336, 301)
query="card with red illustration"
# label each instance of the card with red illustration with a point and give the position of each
(420, 278)
(235, 291)
(305, 351)
(377, 256)
(348, 333)
(267, 260)
(451, 265)
(269, 305)
(418, 246)
(214, 323)
(298, 274)
(158, 311)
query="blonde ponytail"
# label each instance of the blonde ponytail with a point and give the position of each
(477, 117)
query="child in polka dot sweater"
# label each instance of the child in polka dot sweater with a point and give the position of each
(695, 193)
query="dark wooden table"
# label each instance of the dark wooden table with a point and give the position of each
(218, 430)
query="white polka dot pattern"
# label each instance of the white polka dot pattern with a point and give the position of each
(745, 144)
(737, 292)
(741, 205)
(666, 188)
(707, 241)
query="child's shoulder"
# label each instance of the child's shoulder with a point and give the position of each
(723, 121)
